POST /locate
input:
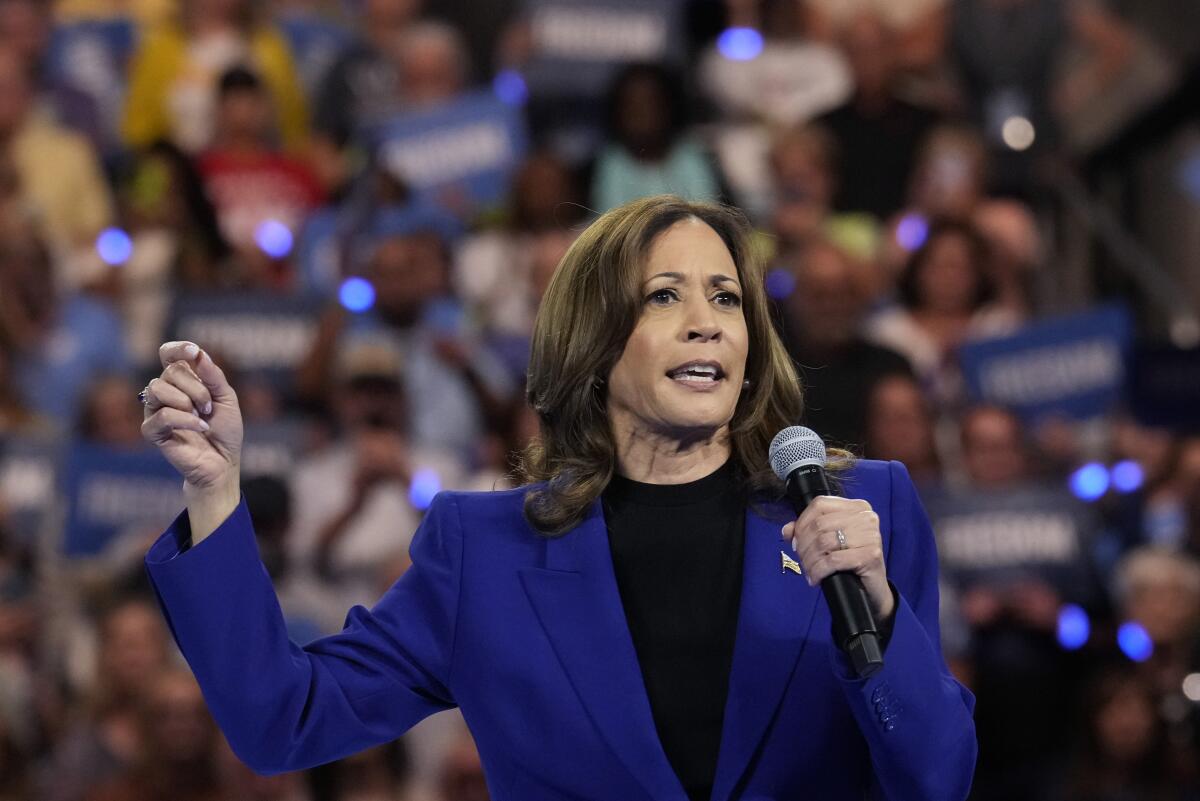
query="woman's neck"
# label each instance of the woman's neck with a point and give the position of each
(657, 457)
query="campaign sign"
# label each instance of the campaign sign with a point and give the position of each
(1164, 387)
(578, 45)
(459, 155)
(1073, 366)
(270, 449)
(111, 491)
(28, 480)
(91, 54)
(254, 332)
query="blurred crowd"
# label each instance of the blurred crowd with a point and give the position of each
(356, 205)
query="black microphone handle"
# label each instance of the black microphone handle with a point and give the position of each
(854, 629)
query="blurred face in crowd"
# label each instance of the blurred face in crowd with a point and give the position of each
(176, 725)
(1166, 603)
(694, 315)
(108, 418)
(1124, 723)
(828, 297)
(433, 67)
(133, 647)
(389, 15)
(233, 11)
(15, 91)
(643, 120)
(992, 449)
(26, 274)
(543, 192)
(948, 180)
(407, 272)
(803, 186)
(869, 49)
(25, 27)
(947, 281)
(899, 425)
(245, 115)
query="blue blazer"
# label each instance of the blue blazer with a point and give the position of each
(528, 637)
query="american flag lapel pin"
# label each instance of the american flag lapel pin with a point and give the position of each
(790, 564)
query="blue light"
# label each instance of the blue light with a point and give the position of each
(1090, 481)
(510, 87)
(1127, 476)
(425, 484)
(911, 231)
(1134, 641)
(780, 283)
(356, 294)
(274, 238)
(1074, 628)
(740, 44)
(114, 246)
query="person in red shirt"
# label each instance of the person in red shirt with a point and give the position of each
(262, 196)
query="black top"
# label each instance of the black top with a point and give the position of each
(677, 552)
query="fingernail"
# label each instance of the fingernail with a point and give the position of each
(204, 426)
(207, 407)
(191, 350)
(195, 413)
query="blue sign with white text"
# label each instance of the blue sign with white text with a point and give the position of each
(1072, 366)
(261, 333)
(459, 156)
(112, 493)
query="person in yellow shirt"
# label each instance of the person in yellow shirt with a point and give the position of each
(144, 11)
(173, 76)
(55, 173)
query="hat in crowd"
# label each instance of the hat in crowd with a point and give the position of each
(369, 358)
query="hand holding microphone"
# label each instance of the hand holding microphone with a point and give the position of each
(838, 544)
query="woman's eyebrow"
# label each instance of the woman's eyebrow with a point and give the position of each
(715, 278)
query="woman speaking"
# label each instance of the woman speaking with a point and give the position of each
(626, 626)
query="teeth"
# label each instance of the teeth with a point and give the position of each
(701, 369)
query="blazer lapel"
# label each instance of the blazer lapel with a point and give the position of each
(777, 609)
(579, 605)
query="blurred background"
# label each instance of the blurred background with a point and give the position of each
(981, 220)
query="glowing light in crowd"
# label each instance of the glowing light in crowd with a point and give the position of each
(1127, 476)
(1090, 481)
(114, 246)
(1017, 132)
(274, 238)
(740, 44)
(780, 283)
(510, 87)
(425, 484)
(356, 294)
(1191, 686)
(1134, 641)
(911, 231)
(1074, 628)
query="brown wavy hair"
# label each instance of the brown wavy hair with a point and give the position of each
(589, 310)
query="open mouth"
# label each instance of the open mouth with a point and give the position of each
(698, 373)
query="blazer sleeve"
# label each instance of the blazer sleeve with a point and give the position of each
(284, 707)
(916, 718)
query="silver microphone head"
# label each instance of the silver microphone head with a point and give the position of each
(794, 447)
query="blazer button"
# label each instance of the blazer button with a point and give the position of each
(891, 724)
(877, 696)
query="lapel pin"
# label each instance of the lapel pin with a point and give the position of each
(790, 564)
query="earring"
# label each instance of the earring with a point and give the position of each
(746, 384)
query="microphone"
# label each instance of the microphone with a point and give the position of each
(797, 456)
